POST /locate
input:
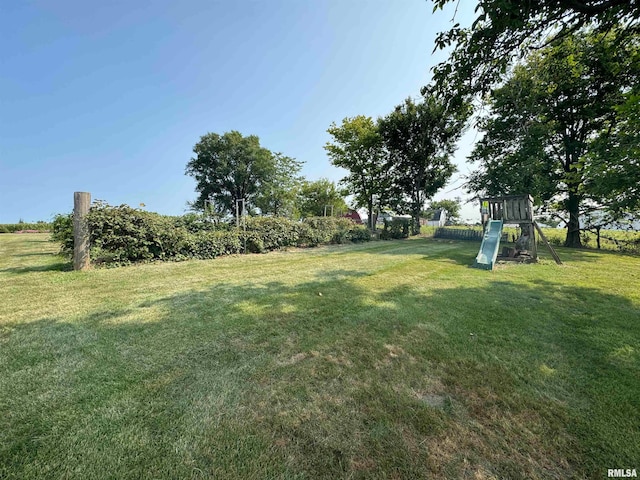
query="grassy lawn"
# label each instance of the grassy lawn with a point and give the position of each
(384, 360)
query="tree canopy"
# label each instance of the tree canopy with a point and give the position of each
(420, 139)
(358, 147)
(320, 198)
(229, 167)
(613, 164)
(279, 190)
(505, 29)
(548, 123)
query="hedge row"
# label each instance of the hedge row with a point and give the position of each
(122, 235)
(17, 227)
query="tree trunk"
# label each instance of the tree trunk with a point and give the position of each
(370, 215)
(573, 227)
(415, 223)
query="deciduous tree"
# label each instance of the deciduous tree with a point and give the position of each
(507, 29)
(613, 164)
(420, 139)
(279, 190)
(358, 147)
(319, 198)
(229, 167)
(546, 120)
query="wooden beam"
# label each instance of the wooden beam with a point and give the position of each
(553, 252)
(534, 246)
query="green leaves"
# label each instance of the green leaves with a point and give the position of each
(401, 160)
(229, 167)
(420, 138)
(320, 198)
(358, 148)
(556, 125)
(122, 235)
(280, 189)
(505, 30)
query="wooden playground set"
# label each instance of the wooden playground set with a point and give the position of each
(497, 212)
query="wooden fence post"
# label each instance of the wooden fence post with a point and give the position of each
(81, 204)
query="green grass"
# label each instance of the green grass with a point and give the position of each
(384, 360)
(613, 240)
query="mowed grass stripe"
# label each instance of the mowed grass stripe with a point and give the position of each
(389, 359)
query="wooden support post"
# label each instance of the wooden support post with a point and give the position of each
(81, 204)
(534, 246)
(553, 252)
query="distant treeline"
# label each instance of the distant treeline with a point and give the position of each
(17, 227)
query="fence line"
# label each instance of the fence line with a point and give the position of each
(458, 234)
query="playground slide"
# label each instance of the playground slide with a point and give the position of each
(486, 257)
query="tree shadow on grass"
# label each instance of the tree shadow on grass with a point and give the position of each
(460, 253)
(63, 266)
(320, 379)
(33, 254)
(463, 252)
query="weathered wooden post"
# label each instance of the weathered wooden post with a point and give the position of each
(81, 204)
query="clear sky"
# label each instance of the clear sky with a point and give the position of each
(110, 97)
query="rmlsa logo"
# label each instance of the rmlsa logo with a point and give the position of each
(622, 473)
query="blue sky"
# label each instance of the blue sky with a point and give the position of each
(110, 97)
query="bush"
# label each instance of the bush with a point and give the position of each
(62, 232)
(196, 222)
(122, 235)
(359, 233)
(395, 229)
(271, 233)
(211, 244)
(328, 229)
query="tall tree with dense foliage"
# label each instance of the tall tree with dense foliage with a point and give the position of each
(279, 191)
(358, 147)
(613, 164)
(320, 197)
(229, 167)
(420, 139)
(506, 29)
(546, 120)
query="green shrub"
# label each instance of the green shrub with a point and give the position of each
(307, 236)
(212, 244)
(252, 242)
(395, 229)
(340, 236)
(329, 229)
(62, 232)
(122, 235)
(271, 233)
(359, 233)
(197, 222)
